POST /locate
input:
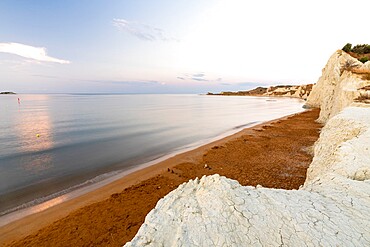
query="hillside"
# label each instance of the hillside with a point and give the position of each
(301, 91)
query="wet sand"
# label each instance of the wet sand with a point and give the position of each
(274, 154)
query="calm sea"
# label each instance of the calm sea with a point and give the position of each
(50, 144)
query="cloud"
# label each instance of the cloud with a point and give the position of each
(26, 51)
(251, 84)
(199, 79)
(47, 76)
(142, 31)
(199, 75)
(129, 83)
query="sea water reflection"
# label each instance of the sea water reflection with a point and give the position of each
(50, 143)
(33, 128)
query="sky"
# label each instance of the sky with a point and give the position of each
(167, 46)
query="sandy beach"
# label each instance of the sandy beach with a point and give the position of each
(275, 154)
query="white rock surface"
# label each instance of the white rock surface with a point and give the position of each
(336, 89)
(300, 91)
(343, 147)
(332, 208)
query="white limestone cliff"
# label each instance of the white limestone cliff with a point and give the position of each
(343, 147)
(300, 91)
(337, 88)
(332, 208)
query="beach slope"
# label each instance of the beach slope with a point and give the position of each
(330, 209)
(274, 154)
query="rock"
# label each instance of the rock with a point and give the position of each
(302, 91)
(332, 208)
(338, 88)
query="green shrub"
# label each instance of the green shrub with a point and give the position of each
(364, 59)
(347, 47)
(367, 49)
(361, 49)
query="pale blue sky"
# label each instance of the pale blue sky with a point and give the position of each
(164, 46)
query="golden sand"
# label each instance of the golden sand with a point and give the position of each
(274, 154)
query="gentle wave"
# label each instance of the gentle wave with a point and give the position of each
(107, 176)
(51, 144)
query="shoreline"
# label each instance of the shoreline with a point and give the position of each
(24, 211)
(30, 224)
(48, 187)
(42, 203)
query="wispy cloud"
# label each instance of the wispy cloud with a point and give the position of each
(27, 51)
(129, 83)
(199, 79)
(251, 84)
(142, 31)
(200, 76)
(47, 76)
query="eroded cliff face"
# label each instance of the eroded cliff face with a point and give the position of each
(300, 91)
(332, 208)
(339, 84)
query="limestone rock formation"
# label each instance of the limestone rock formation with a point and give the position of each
(364, 93)
(332, 208)
(339, 84)
(301, 91)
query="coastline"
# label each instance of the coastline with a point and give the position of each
(41, 203)
(67, 157)
(30, 224)
(24, 210)
(332, 206)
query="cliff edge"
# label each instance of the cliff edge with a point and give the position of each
(340, 85)
(332, 208)
(300, 91)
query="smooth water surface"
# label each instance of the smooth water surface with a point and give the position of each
(49, 143)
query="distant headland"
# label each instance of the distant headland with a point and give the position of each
(7, 93)
(301, 91)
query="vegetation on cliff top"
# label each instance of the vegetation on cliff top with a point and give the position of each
(361, 52)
